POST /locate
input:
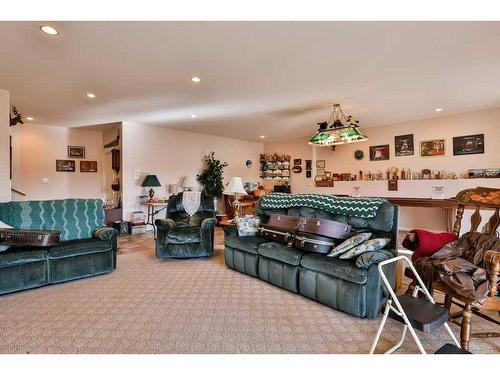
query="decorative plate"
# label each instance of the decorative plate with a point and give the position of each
(359, 154)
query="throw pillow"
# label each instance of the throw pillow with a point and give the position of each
(370, 245)
(248, 225)
(4, 226)
(349, 244)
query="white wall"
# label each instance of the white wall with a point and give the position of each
(4, 146)
(342, 160)
(35, 150)
(174, 154)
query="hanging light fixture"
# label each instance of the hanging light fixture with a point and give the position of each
(338, 130)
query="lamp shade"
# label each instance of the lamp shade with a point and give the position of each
(189, 182)
(172, 189)
(235, 186)
(151, 181)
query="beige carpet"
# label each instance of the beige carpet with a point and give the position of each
(186, 306)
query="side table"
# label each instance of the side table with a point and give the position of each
(152, 211)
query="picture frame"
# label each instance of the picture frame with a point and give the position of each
(328, 175)
(468, 144)
(404, 145)
(76, 152)
(380, 152)
(88, 166)
(297, 162)
(320, 164)
(308, 174)
(308, 165)
(65, 165)
(433, 148)
(320, 172)
(318, 178)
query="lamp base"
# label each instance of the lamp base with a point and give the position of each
(151, 195)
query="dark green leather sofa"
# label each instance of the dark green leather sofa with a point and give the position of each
(86, 246)
(341, 284)
(183, 236)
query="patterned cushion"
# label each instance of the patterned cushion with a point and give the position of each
(74, 218)
(247, 226)
(349, 244)
(370, 245)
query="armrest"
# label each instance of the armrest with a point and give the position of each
(365, 260)
(491, 263)
(208, 224)
(105, 233)
(165, 224)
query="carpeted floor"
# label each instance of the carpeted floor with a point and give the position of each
(150, 305)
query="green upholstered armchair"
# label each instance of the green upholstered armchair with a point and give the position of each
(183, 236)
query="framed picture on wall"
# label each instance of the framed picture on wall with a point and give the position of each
(88, 166)
(320, 164)
(468, 144)
(434, 147)
(308, 174)
(380, 152)
(403, 145)
(297, 162)
(76, 152)
(308, 165)
(65, 165)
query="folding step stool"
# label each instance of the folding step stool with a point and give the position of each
(415, 313)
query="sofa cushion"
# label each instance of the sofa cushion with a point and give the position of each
(21, 255)
(181, 235)
(339, 268)
(279, 251)
(79, 247)
(349, 244)
(247, 243)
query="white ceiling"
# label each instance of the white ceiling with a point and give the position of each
(275, 79)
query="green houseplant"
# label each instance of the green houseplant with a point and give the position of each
(212, 177)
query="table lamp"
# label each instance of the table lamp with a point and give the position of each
(189, 183)
(172, 189)
(235, 188)
(151, 181)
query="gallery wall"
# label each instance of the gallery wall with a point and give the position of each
(4, 146)
(485, 122)
(174, 154)
(35, 151)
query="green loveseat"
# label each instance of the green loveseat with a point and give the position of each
(86, 246)
(342, 284)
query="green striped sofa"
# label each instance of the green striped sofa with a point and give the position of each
(86, 246)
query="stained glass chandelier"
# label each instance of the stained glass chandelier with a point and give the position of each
(338, 130)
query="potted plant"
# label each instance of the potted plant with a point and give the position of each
(212, 177)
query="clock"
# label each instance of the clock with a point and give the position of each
(359, 154)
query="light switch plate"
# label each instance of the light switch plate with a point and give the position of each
(137, 175)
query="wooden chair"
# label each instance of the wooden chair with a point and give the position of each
(480, 198)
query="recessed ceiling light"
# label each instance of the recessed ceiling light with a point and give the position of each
(438, 109)
(196, 79)
(263, 136)
(90, 95)
(193, 116)
(49, 30)
(29, 118)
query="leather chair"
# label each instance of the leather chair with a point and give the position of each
(183, 236)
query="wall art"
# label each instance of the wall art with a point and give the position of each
(468, 144)
(380, 152)
(403, 145)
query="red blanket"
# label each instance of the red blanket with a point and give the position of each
(424, 243)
